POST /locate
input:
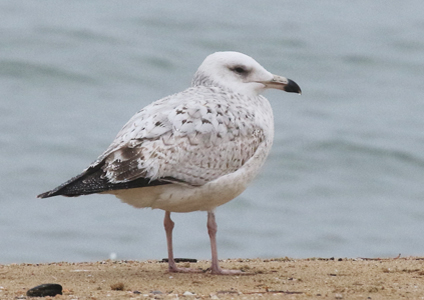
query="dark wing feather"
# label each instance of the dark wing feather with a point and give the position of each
(93, 181)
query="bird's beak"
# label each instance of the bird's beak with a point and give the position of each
(282, 83)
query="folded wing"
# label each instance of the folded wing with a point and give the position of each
(171, 141)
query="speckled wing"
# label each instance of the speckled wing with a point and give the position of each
(192, 137)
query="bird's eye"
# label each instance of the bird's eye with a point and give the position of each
(239, 70)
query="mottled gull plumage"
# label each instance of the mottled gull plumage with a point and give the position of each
(194, 150)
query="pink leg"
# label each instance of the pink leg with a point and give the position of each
(212, 229)
(172, 267)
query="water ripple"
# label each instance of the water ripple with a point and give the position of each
(30, 70)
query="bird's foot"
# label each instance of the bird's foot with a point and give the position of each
(219, 271)
(184, 270)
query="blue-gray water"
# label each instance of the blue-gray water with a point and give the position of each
(346, 174)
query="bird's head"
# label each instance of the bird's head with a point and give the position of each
(240, 73)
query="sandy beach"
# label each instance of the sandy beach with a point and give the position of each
(279, 278)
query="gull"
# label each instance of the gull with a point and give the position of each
(191, 151)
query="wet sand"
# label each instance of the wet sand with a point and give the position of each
(280, 278)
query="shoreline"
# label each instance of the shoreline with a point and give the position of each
(285, 278)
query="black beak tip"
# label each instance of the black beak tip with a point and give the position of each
(292, 87)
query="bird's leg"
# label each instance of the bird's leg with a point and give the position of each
(212, 229)
(169, 226)
(172, 267)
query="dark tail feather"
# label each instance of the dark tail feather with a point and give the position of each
(93, 181)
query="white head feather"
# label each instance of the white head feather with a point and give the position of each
(234, 71)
